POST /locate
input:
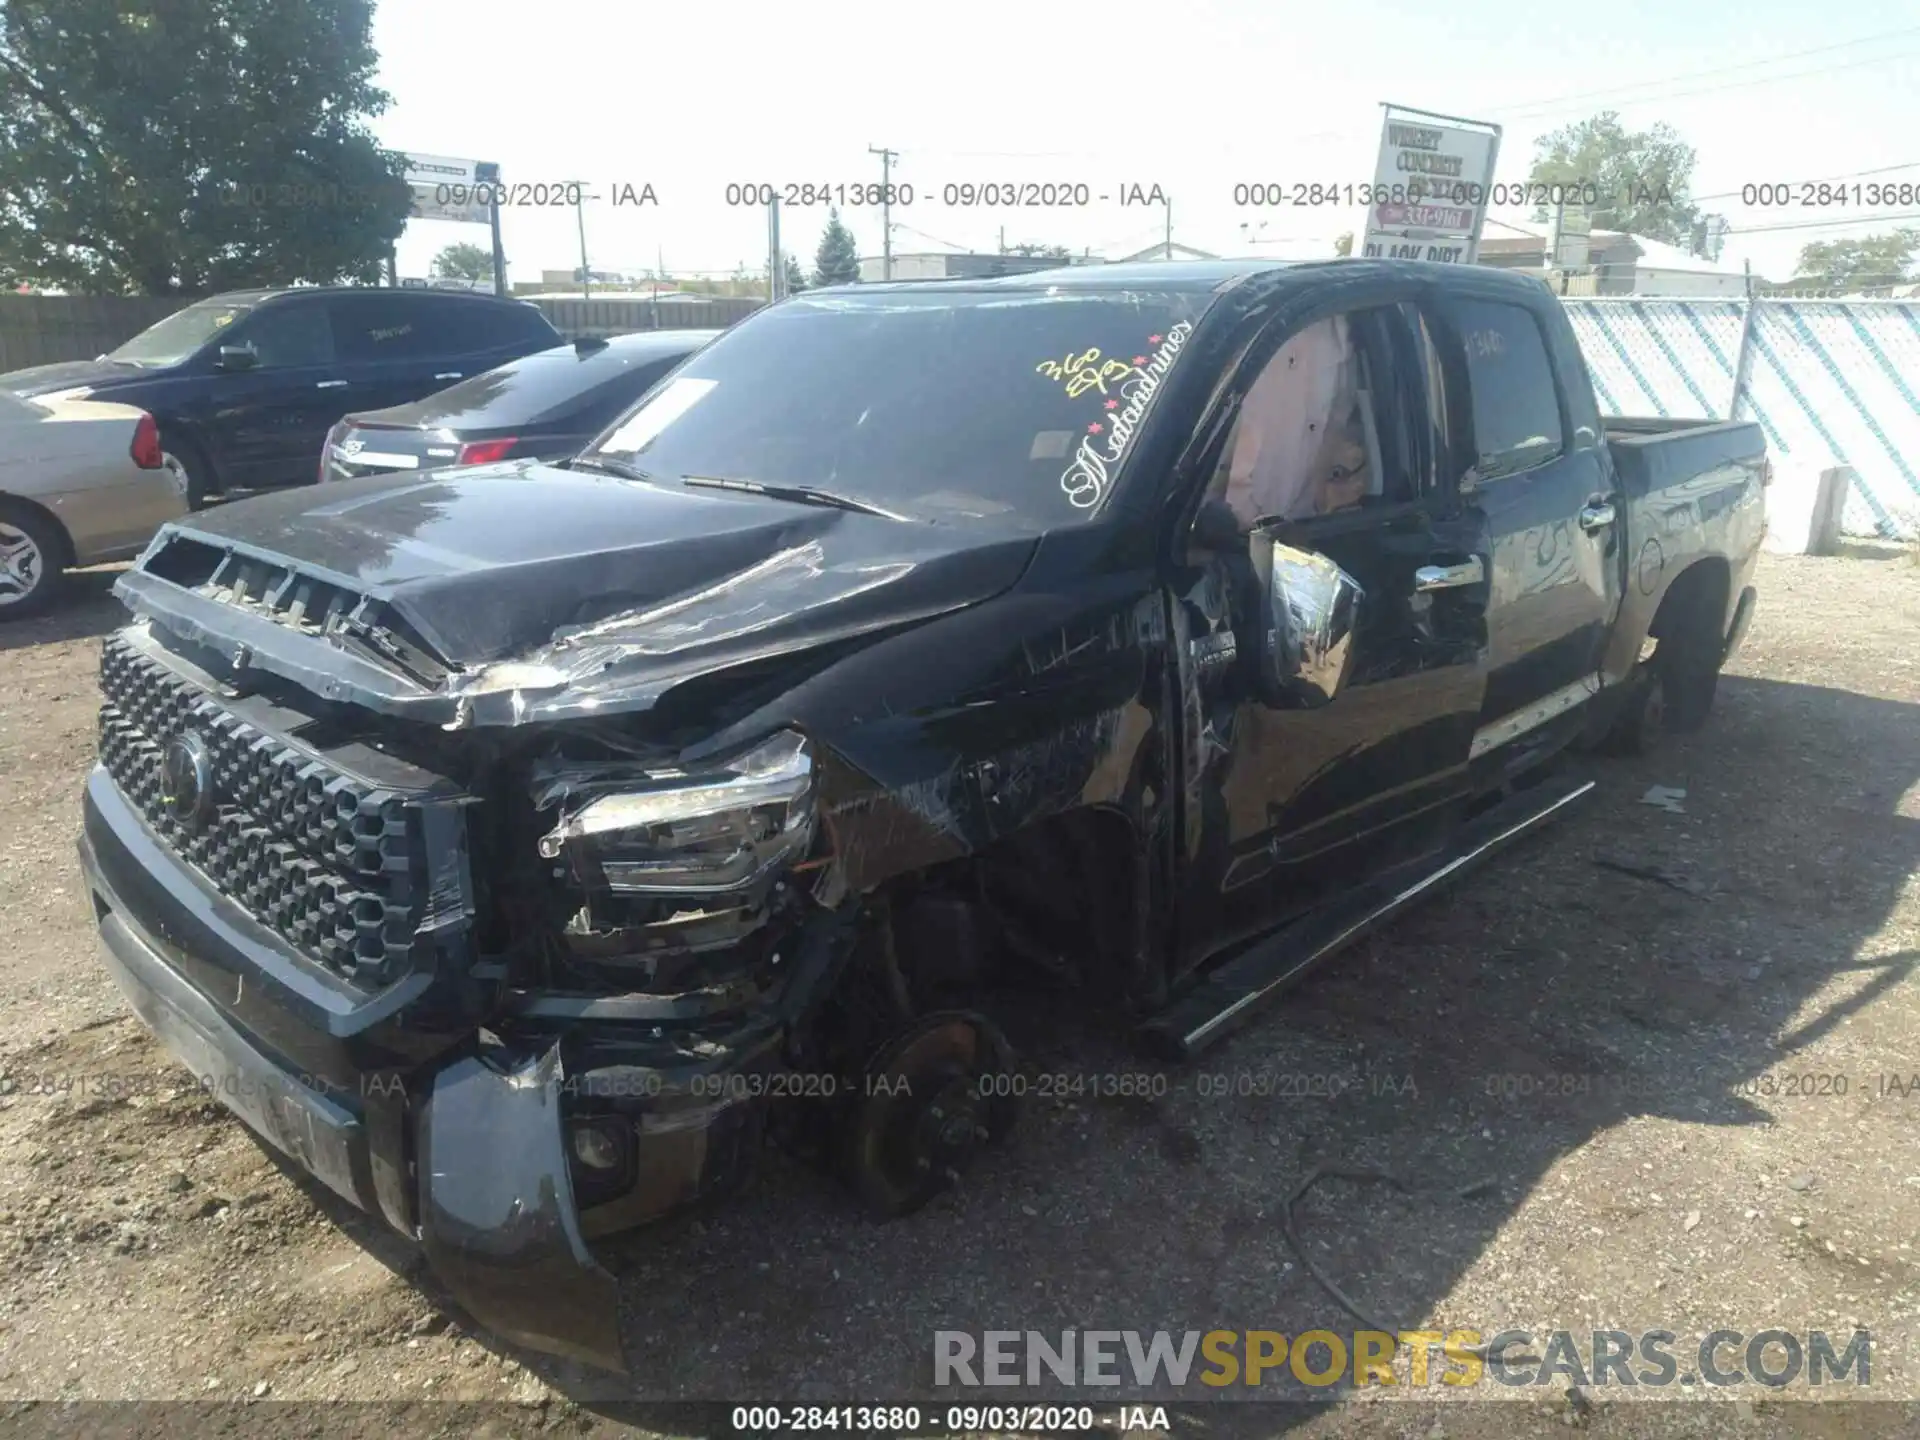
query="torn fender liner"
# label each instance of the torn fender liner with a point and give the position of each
(497, 1218)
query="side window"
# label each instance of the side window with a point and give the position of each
(1333, 421)
(1516, 409)
(528, 324)
(379, 327)
(287, 336)
(469, 327)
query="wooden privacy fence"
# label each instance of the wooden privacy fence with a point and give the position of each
(47, 329)
(622, 314)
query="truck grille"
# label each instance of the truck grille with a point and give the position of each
(332, 864)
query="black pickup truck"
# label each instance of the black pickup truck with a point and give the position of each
(517, 848)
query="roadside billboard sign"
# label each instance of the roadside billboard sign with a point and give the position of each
(1431, 187)
(448, 189)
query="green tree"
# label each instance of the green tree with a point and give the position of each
(179, 146)
(1640, 177)
(837, 261)
(464, 261)
(796, 277)
(1031, 247)
(1867, 260)
(1343, 245)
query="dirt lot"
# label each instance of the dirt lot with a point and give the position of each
(1619, 1054)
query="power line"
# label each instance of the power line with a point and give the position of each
(1547, 105)
(1523, 105)
(1821, 224)
(1823, 180)
(1559, 107)
(915, 230)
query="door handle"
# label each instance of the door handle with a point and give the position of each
(330, 384)
(1448, 577)
(1596, 517)
(448, 375)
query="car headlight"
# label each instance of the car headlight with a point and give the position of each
(714, 830)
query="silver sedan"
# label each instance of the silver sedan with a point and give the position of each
(81, 482)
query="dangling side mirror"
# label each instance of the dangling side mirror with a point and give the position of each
(1311, 608)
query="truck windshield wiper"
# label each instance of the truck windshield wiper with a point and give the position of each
(799, 494)
(611, 466)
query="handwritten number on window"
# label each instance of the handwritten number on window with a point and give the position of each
(1084, 372)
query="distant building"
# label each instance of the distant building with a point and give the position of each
(640, 296)
(565, 279)
(957, 265)
(1613, 263)
(1166, 250)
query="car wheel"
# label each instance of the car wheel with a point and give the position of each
(33, 562)
(1688, 664)
(1643, 720)
(189, 469)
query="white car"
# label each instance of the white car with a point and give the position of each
(81, 482)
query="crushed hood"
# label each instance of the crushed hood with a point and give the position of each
(546, 590)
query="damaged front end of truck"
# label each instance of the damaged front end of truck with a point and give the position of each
(521, 952)
(518, 847)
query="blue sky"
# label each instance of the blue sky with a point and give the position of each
(1194, 97)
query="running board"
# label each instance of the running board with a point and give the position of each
(1234, 993)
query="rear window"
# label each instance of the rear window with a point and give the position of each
(553, 387)
(1516, 409)
(1018, 405)
(473, 327)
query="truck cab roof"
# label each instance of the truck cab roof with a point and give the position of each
(1202, 276)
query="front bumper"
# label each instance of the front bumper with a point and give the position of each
(460, 1148)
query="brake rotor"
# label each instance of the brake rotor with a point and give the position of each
(931, 1098)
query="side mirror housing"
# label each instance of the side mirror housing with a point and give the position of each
(237, 357)
(1310, 610)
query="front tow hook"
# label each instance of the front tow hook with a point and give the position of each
(498, 1219)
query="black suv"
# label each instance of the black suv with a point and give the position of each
(246, 385)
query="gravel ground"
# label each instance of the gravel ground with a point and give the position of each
(1643, 1068)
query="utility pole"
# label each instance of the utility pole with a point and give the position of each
(1003, 239)
(580, 215)
(887, 157)
(1169, 227)
(776, 271)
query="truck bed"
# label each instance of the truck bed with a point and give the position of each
(1656, 453)
(1690, 491)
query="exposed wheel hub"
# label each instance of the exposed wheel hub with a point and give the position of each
(931, 1101)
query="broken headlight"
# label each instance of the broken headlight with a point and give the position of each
(715, 830)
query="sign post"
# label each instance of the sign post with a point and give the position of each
(1432, 184)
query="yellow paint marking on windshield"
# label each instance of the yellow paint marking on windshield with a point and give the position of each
(1084, 372)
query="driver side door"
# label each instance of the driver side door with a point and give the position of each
(1292, 801)
(269, 420)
